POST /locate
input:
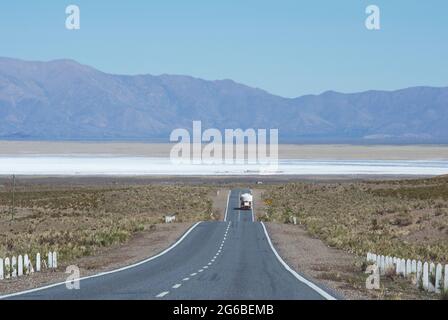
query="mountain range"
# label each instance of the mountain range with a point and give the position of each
(65, 100)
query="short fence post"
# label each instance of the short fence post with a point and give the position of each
(38, 262)
(414, 267)
(50, 260)
(408, 268)
(419, 272)
(55, 260)
(388, 263)
(403, 267)
(397, 266)
(27, 264)
(438, 283)
(14, 267)
(426, 276)
(2, 276)
(19, 265)
(7, 268)
(432, 275)
(445, 284)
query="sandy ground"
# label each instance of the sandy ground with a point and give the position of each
(286, 151)
(143, 245)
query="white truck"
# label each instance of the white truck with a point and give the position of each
(246, 200)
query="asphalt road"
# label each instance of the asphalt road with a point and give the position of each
(232, 259)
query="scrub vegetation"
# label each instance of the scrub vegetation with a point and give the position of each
(403, 218)
(77, 221)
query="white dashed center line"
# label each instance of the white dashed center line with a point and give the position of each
(161, 295)
(178, 285)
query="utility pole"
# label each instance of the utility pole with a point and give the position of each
(13, 207)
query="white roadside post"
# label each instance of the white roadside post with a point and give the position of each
(419, 273)
(426, 276)
(383, 265)
(445, 284)
(7, 268)
(27, 264)
(403, 267)
(19, 265)
(414, 267)
(50, 260)
(38, 262)
(2, 276)
(391, 263)
(387, 263)
(408, 268)
(55, 260)
(438, 284)
(432, 273)
(14, 267)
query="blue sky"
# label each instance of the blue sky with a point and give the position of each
(287, 47)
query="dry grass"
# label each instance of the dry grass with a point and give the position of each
(400, 218)
(77, 221)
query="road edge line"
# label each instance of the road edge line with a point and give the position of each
(313, 286)
(107, 272)
(227, 205)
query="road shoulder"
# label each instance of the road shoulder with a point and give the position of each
(314, 259)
